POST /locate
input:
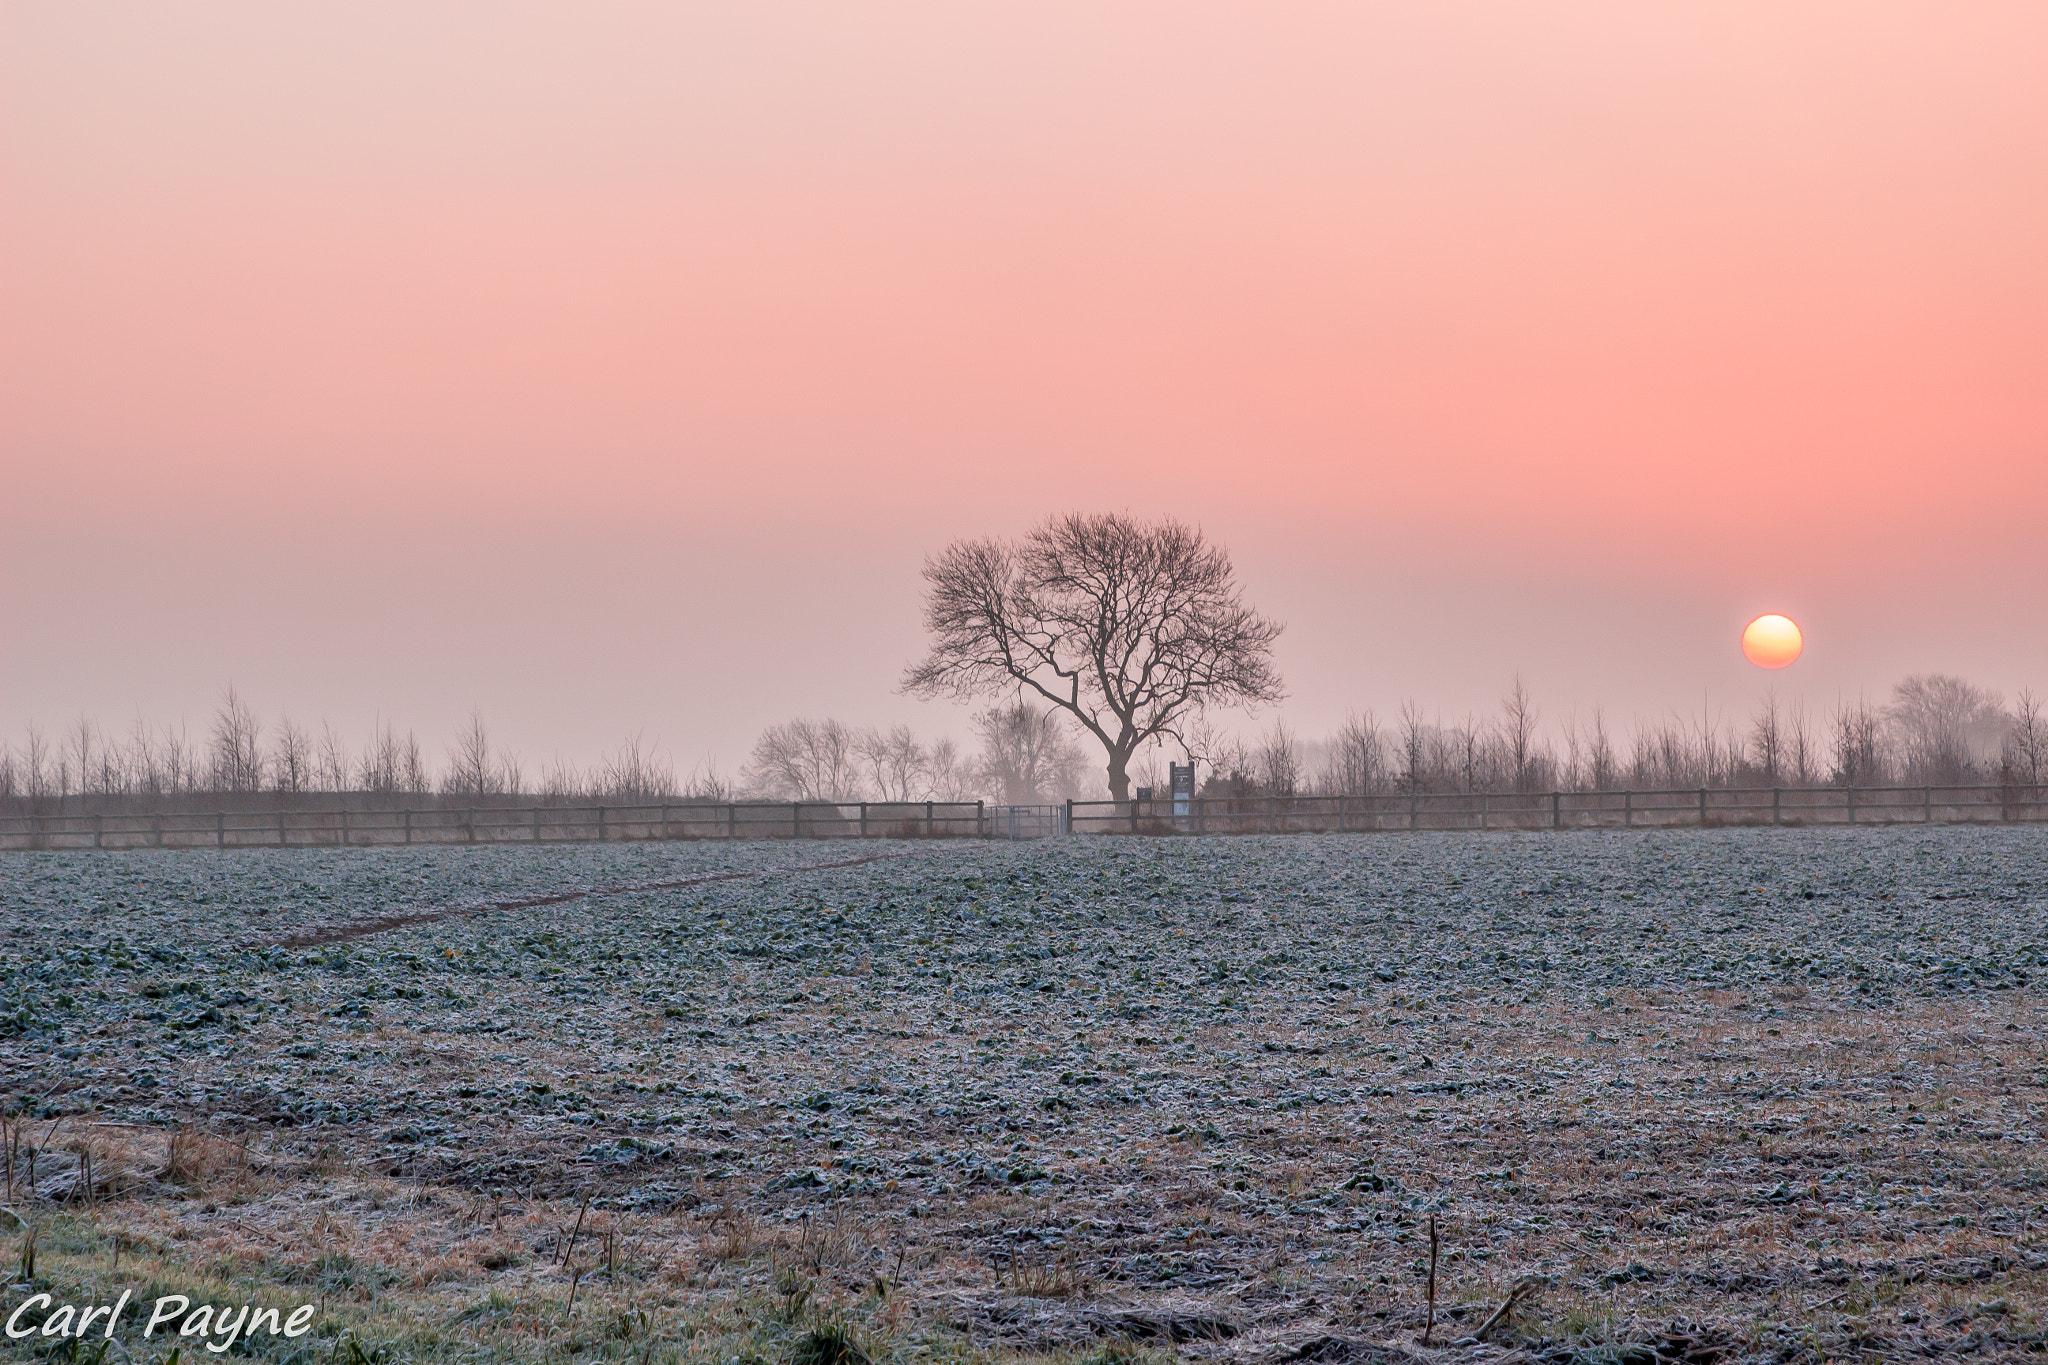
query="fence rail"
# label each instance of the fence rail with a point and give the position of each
(1702, 807)
(1386, 812)
(285, 828)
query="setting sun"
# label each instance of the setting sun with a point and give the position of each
(1772, 641)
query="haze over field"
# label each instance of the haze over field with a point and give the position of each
(616, 371)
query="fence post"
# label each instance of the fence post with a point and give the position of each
(408, 825)
(469, 823)
(1069, 829)
(1414, 804)
(863, 819)
(1557, 810)
(220, 829)
(1927, 805)
(1852, 802)
(344, 826)
(1777, 814)
(930, 830)
(98, 830)
(664, 823)
(1628, 810)
(796, 819)
(732, 819)
(280, 829)
(1703, 807)
(1482, 810)
(1201, 814)
(980, 813)
(536, 824)
(156, 829)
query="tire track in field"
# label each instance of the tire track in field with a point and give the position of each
(382, 924)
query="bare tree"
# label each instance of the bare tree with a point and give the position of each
(1358, 757)
(473, 769)
(1602, 768)
(1518, 716)
(948, 775)
(237, 746)
(1946, 727)
(2024, 756)
(1414, 741)
(1801, 752)
(705, 784)
(806, 760)
(892, 761)
(414, 778)
(1027, 753)
(330, 765)
(381, 769)
(1857, 758)
(1767, 737)
(1279, 760)
(560, 781)
(635, 771)
(81, 751)
(291, 758)
(1133, 629)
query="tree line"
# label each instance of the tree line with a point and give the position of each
(1094, 631)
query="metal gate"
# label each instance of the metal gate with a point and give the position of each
(1025, 822)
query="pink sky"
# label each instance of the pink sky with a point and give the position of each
(613, 369)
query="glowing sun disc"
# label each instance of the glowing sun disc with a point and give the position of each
(1772, 641)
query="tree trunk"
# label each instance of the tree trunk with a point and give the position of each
(1119, 777)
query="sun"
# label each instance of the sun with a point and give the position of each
(1772, 641)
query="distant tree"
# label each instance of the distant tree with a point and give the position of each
(806, 760)
(1767, 737)
(1357, 757)
(330, 765)
(1944, 726)
(635, 771)
(1279, 760)
(893, 763)
(1028, 755)
(1857, 756)
(1133, 629)
(1518, 717)
(475, 768)
(237, 746)
(291, 758)
(2023, 757)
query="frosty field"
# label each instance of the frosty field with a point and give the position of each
(1743, 1094)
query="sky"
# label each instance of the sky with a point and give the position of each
(613, 368)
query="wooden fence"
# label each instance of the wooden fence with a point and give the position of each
(285, 828)
(1390, 812)
(1703, 807)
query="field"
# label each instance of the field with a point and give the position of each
(1716, 1095)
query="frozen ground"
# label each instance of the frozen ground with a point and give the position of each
(1781, 1088)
